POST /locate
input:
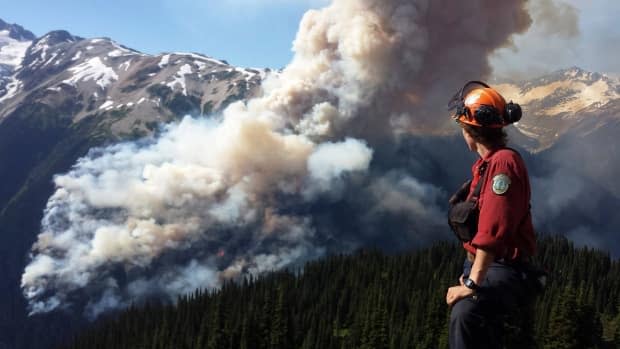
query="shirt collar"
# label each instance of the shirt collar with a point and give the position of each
(489, 154)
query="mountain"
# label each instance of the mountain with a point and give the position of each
(16, 32)
(14, 41)
(567, 101)
(81, 78)
(60, 96)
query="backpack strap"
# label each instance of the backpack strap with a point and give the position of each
(482, 169)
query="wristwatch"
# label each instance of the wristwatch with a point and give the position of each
(469, 283)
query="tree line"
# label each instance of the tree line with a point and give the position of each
(371, 300)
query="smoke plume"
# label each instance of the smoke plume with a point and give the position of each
(314, 164)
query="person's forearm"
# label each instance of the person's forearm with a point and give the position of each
(481, 265)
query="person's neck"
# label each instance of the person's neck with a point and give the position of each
(483, 150)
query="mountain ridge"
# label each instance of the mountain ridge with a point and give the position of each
(558, 103)
(151, 89)
(16, 31)
(99, 76)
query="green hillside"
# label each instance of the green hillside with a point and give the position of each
(370, 300)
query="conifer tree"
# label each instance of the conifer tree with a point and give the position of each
(264, 325)
(563, 324)
(279, 327)
(616, 337)
(589, 327)
(216, 339)
(244, 339)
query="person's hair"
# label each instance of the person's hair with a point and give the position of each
(489, 137)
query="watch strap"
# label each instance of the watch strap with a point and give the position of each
(469, 283)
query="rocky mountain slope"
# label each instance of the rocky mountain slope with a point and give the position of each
(569, 100)
(60, 96)
(128, 91)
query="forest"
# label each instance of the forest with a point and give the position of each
(369, 299)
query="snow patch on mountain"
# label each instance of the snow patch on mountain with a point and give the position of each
(120, 50)
(201, 57)
(93, 69)
(106, 105)
(595, 95)
(51, 59)
(201, 65)
(573, 95)
(125, 65)
(41, 46)
(12, 88)
(12, 51)
(116, 53)
(179, 78)
(165, 59)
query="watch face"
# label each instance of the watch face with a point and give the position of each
(469, 283)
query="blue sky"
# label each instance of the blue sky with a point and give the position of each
(259, 33)
(255, 33)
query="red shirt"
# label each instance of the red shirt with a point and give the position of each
(505, 223)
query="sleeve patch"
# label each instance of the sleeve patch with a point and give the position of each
(501, 183)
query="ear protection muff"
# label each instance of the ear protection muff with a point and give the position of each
(487, 115)
(513, 112)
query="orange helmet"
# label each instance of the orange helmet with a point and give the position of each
(483, 107)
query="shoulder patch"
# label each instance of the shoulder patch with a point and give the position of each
(501, 183)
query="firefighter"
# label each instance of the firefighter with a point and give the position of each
(491, 216)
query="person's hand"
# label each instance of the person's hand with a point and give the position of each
(462, 279)
(457, 293)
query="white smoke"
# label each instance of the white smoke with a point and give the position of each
(216, 199)
(331, 161)
(130, 204)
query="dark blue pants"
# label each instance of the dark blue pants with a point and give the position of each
(477, 322)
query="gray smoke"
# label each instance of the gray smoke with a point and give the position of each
(555, 32)
(313, 164)
(575, 183)
(556, 18)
